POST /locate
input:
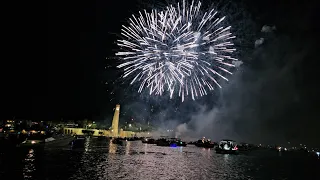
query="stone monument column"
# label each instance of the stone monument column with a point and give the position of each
(115, 121)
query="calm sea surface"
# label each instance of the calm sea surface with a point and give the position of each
(134, 160)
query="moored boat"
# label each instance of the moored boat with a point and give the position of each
(162, 142)
(179, 142)
(117, 141)
(148, 140)
(205, 143)
(227, 147)
(172, 142)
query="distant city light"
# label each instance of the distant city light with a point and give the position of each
(130, 125)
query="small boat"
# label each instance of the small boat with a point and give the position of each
(192, 142)
(177, 142)
(162, 142)
(227, 147)
(117, 141)
(206, 143)
(182, 143)
(33, 140)
(172, 142)
(148, 140)
(131, 139)
(145, 140)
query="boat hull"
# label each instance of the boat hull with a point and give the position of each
(205, 145)
(223, 151)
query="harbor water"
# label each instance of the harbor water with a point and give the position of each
(100, 159)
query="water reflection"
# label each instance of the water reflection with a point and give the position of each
(30, 166)
(226, 157)
(112, 148)
(86, 144)
(128, 144)
(134, 160)
(145, 148)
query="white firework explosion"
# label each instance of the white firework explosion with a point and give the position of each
(181, 48)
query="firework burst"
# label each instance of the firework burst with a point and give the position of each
(180, 49)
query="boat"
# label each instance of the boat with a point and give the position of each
(192, 142)
(182, 143)
(227, 146)
(162, 142)
(148, 140)
(135, 138)
(132, 139)
(33, 141)
(205, 143)
(177, 142)
(145, 140)
(172, 142)
(117, 141)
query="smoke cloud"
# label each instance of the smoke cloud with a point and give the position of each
(267, 100)
(258, 42)
(268, 29)
(262, 103)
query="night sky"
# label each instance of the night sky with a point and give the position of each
(275, 92)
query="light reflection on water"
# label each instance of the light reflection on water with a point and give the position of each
(133, 160)
(112, 148)
(128, 143)
(86, 144)
(29, 165)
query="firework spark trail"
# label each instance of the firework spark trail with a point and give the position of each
(180, 47)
